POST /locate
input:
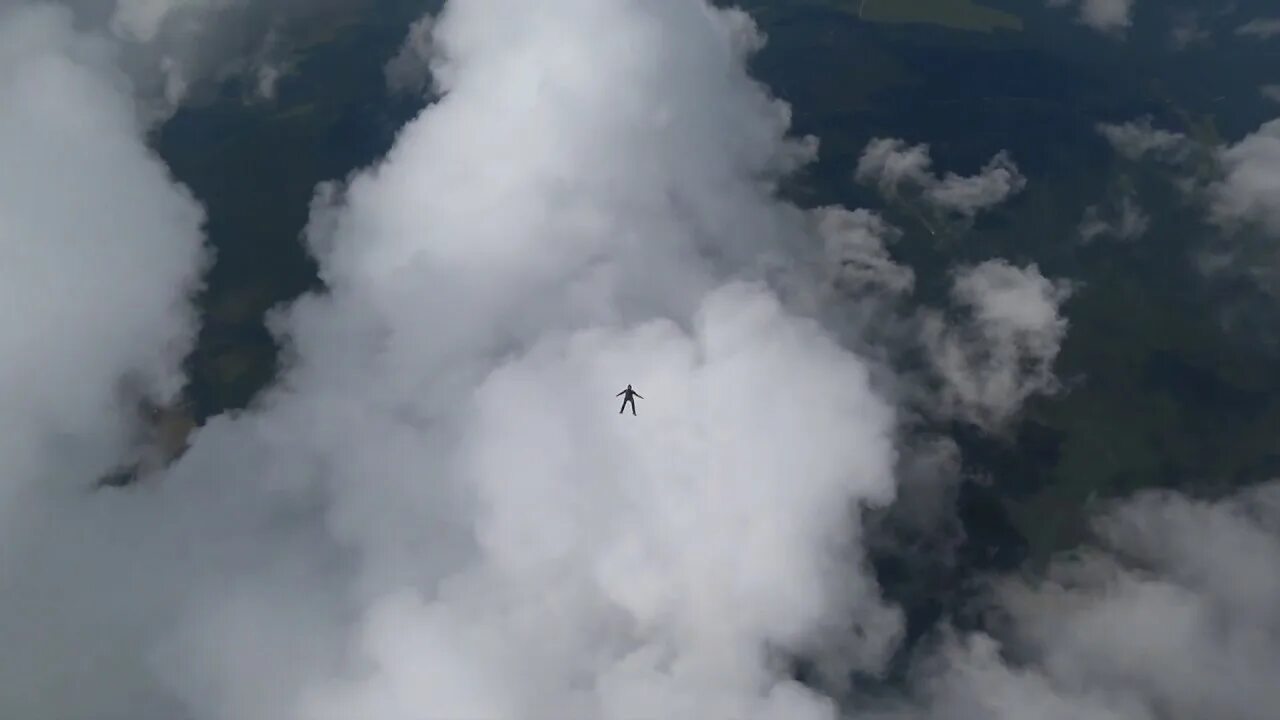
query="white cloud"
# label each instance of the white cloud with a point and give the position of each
(1261, 28)
(1137, 138)
(1249, 190)
(1105, 16)
(891, 164)
(1270, 92)
(1004, 352)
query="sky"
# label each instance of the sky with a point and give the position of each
(436, 511)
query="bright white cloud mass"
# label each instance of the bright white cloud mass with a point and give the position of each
(434, 513)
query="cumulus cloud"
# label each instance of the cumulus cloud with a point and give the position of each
(1249, 191)
(1261, 28)
(1172, 615)
(1125, 221)
(1105, 16)
(1003, 353)
(1270, 92)
(892, 165)
(1137, 138)
(436, 512)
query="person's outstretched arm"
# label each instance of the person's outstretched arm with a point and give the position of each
(619, 393)
(638, 395)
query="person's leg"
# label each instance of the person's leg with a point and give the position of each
(633, 406)
(624, 406)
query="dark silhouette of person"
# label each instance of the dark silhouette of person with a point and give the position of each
(631, 396)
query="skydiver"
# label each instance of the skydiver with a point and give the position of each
(629, 399)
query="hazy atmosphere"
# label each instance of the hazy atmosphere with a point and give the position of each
(955, 325)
